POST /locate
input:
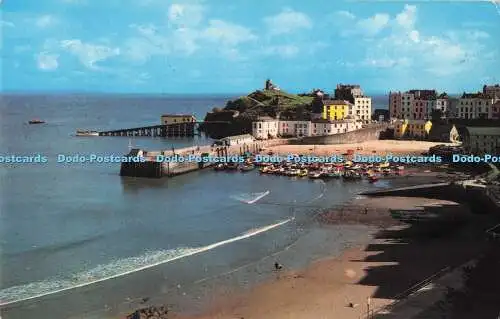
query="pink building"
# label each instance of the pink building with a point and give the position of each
(395, 105)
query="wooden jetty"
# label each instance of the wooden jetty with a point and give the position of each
(187, 129)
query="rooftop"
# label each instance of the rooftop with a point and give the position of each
(488, 130)
(266, 119)
(335, 102)
(177, 115)
(478, 95)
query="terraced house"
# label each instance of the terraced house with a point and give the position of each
(335, 110)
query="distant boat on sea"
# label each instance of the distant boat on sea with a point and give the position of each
(36, 121)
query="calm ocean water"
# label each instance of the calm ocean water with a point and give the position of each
(79, 241)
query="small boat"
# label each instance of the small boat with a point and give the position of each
(351, 175)
(334, 174)
(86, 133)
(220, 167)
(303, 173)
(292, 172)
(36, 121)
(247, 167)
(383, 165)
(232, 166)
(373, 178)
(314, 174)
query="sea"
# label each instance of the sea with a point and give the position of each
(77, 240)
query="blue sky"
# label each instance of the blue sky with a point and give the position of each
(222, 46)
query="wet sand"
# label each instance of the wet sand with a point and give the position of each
(399, 256)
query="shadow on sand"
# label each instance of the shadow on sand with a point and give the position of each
(423, 247)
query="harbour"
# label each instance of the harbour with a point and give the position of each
(112, 229)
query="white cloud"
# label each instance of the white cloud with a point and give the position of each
(227, 33)
(406, 47)
(407, 17)
(184, 40)
(287, 21)
(185, 15)
(171, 39)
(89, 54)
(285, 51)
(45, 21)
(344, 15)
(47, 61)
(373, 25)
(386, 62)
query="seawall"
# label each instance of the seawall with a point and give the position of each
(476, 197)
(153, 169)
(358, 136)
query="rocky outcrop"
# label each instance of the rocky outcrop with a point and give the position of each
(150, 313)
(239, 114)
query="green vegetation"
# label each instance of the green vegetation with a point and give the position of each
(250, 107)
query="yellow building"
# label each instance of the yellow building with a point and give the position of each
(412, 129)
(167, 119)
(335, 110)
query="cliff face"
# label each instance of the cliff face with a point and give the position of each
(240, 113)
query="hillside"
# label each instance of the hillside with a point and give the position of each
(241, 112)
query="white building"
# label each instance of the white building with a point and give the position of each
(237, 140)
(325, 127)
(361, 109)
(294, 128)
(475, 106)
(482, 140)
(265, 128)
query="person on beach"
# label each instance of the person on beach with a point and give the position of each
(366, 211)
(277, 266)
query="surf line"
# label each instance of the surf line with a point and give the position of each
(258, 197)
(195, 251)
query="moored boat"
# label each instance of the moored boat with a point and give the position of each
(247, 167)
(314, 174)
(220, 167)
(351, 175)
(232, 166)
(36, 121)
(303, 173)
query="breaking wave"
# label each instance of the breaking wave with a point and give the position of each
(251, 197)
(115, 269)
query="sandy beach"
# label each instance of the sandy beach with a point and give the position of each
(399, 256)
(369, 147)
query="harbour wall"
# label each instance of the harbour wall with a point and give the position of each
(153, 169)
(358, 136)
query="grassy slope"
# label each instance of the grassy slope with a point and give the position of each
(268, 98)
